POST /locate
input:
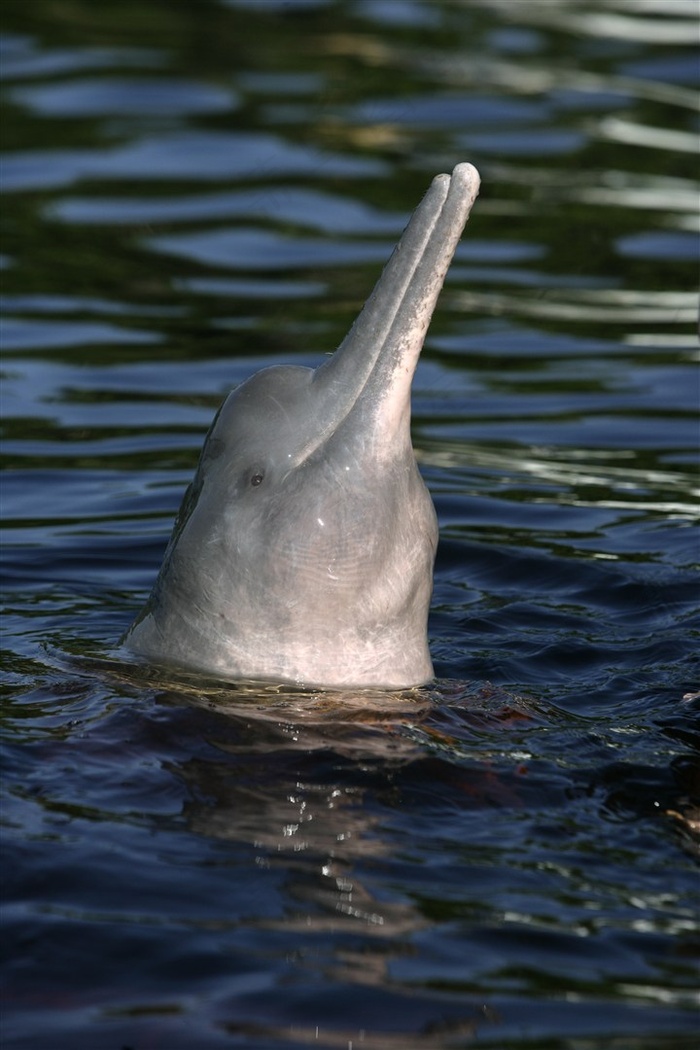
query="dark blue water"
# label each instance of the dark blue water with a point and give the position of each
(510, 858)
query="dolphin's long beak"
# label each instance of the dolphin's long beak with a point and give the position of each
(377, 359)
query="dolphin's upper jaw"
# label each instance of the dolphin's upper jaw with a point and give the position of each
(372, 370)
(364, 388)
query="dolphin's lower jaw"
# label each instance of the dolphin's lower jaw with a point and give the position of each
(304, 549)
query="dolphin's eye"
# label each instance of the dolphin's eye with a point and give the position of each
(256, 479)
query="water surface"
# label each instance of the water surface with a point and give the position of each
(507, 859)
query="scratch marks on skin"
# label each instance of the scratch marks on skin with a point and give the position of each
(282, 407)
(329, 568)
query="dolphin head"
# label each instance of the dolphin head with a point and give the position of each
(304, 547)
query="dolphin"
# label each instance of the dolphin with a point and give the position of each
(303, 551)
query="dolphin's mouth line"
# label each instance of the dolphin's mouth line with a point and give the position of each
(393, 314)
(379, 346)
(391, 326)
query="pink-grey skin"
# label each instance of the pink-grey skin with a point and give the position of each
(303, 550)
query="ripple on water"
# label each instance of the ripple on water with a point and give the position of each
(193, 863)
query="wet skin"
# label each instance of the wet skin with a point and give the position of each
(303, 550)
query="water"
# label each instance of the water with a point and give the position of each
(507, 859)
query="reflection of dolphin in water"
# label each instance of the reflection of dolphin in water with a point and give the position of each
(303, 550)
(317, 797)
